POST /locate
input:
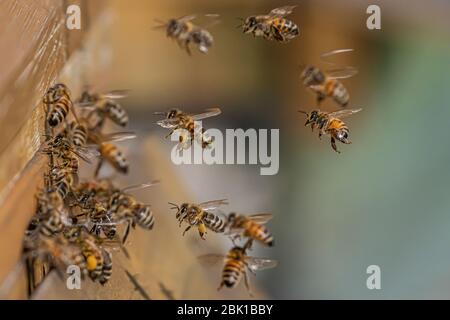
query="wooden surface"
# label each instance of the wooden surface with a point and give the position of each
(41, 51)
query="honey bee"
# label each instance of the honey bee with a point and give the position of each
(185, 32)
(107, 267)
(251, 227)
(327, 83)
(131, 211)
(63, 181)
(103, 105)
(77, 133)
(236, 264)
(331, 124)
(272, 26)
(176, 119)
(110, 152)
(200, 215)
(58, 104)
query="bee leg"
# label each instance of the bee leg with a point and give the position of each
(127, 231)
(247, 284)
(170, 133)
(220, 286)
(320, 98)
(320, 134)
(186, 230)
(277, 34)
(99, 166)
(333, 145)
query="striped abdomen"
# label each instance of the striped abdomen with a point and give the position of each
(58, 111)
(285, 28)
(94, 259)
(258, 232)
(79, 134)
(107, 267)
(144, 217)
(335, 89)
(214, 222)
(52, 225)
(232, 271)
(116, 113)
(114, 156)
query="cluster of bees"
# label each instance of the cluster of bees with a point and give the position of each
(206, 217)
(80, 222)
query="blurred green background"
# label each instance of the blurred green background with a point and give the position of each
(384, 200)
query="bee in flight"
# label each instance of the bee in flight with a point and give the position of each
(250, 227)
(236, 264)
(99, 106)
(272, 26)
(327, 83)
(58, 104)
(185, 32)
(176, 119)
(330, 123)
(201, 216)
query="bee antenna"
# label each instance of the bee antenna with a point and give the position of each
(304, 112)
(174, 206)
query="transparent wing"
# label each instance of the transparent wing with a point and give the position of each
(256, 264)
(141, 186)
(282, 11)
(325, 55)
(213, 204)
(341, 73)
(260, 218)
(211, 259)
(207, 114)
(344, 113)
(88, 153)
(116, 94)
(169, 123)
(118, 136)
(187, 18)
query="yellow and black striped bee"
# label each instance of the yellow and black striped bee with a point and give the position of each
(250, 227)
(100, 106)
(185, 32)
(330, 123)
(77, 133)
(127, 209)
(200, 216)
(272, 26)
(175, 119)
(327, 83)
(58, 104)
(236, 264)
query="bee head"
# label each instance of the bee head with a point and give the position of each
(249, 24)
(310, 117)
(173, 113)
(342, 136)
(174, 28)
(232, 217)
(312, 76)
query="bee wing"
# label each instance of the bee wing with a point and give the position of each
(207, 114)
(169, 123)
(86, 153)
(118, 136)
(187, 18)
(140, 186)
(211, 259)
(213, 204)
(256, 264)
(342, 73)
(116, 94)
(344, 113)
(282, 11)
(260, 218)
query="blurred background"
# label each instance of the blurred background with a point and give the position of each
(382, 201)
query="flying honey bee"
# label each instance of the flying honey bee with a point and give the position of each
(176, 119)
(327, 83)
(185, 32)
(57, 104)
(200, 215)
(251, 227)
(272, 26)
(331, 124)
(100, 106)
(236, 264)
